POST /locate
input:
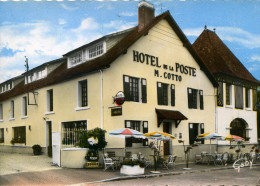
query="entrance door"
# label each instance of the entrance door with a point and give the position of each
(49, 138)
(56, 148)
(193, 132)
(166, 144)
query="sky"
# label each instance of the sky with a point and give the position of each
(45, 30)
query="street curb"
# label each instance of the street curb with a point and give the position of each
(160, 175)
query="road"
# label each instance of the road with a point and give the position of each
(246, 176)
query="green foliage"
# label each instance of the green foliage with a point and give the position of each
(37, 149)
(133, 162)
(96, 133)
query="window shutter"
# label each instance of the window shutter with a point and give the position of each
(189, 91)
(201, 100)
(159, 93)
(144, 90)
(172, 95)
(126, 87)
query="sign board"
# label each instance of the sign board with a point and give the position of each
(116, 111)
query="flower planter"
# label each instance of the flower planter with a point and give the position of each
(131, 170)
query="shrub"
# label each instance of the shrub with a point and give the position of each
(37, 149)
(133, 163)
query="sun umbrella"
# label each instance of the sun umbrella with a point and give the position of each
(159, 136)
(126, 132)
(234, 138)
(209, 136)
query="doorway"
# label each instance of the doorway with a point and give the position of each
(49, 138)
(166, 144)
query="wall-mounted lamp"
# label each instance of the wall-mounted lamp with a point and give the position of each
(6, 129)
(30, 128)
(45, 118)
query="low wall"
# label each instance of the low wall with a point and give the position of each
(73, 157)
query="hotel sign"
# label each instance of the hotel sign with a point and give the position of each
(116, 111)
(173, 72)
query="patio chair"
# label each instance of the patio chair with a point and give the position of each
(225, 158)
(116, 160)
(219, 160)
(170, 162)
(108, 162)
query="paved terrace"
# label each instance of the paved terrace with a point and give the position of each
(25, 169)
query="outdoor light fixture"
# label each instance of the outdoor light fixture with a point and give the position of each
(6, 129)
(29, 127)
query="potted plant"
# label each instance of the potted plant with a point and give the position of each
(132, 167)
(37, 149)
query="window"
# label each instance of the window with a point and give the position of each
(50, 100)
(195, 129)
(19, 135)
(24, 106)
(195, 98)
(12, 109)
(163, 94)
(248, 105)
(2, 135)
(238, 128)
(228, 94)
(239, 97)
(1, 112)
(135, 89)
(70, 134)
(34, 76)
(136, 125)
(76, 58)
(83, 93)
(220, 94)
(96, 51)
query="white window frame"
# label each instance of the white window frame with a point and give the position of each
(1, 112)
(79, 97)
(96, 51)
(11, 110)
(76, 55)
(24, 107)
(48, 111)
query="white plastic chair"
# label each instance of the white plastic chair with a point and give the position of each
(170, 162)
(108, 163)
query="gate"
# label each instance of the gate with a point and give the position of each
(56, 141)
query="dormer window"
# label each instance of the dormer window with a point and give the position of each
(96, 51)
(76, 58)
(86, 54)
(5, 87)
(34, 76)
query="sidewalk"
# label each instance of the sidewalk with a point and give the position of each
(24, 169)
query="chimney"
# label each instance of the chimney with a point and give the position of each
(145, 14)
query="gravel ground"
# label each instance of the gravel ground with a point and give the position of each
(11, 163)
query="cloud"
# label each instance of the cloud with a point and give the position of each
(128, 14)
(230, 34)
(40, 41)
(62, 21)
(255, 58)
(66, 7)
(119, 25)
